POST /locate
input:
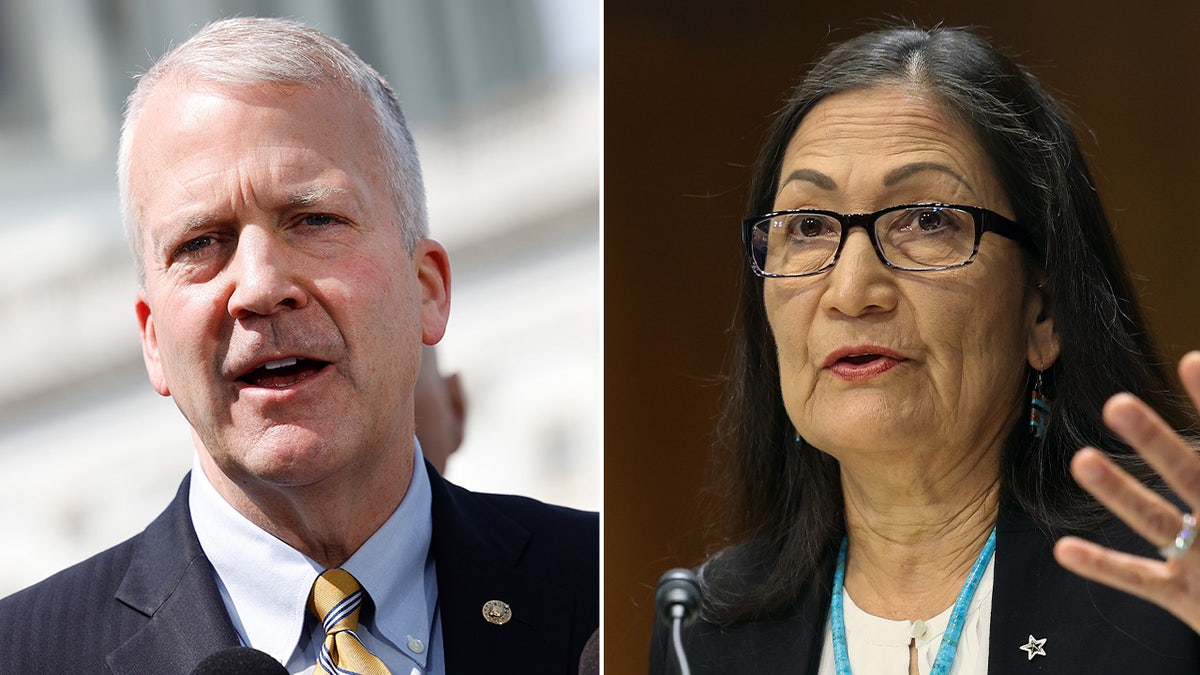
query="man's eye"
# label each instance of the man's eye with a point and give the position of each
(319, 220)
(197, 244)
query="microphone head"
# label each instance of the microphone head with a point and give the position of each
(240, 660)
(678, 595)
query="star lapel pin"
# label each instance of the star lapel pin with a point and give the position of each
(1034, 647)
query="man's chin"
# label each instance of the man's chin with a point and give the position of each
(295, 459)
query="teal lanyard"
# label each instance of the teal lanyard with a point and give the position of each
(945, 655)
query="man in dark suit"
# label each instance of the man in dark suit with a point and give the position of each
(273, 198)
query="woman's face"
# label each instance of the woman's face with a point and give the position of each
(875, 360)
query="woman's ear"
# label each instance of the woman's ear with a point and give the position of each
(1043, 346)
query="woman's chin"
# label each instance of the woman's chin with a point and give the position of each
(873, 437)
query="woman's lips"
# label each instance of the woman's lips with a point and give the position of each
(863, 366)
(862, 362)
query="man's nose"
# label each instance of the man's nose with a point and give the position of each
(264, 275)
(859, 282)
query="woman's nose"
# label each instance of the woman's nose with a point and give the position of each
(859, 282)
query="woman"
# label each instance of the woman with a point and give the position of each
(901, 478)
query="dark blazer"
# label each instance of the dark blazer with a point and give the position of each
(150, 604)
(1089, 628)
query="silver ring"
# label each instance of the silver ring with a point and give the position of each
(1183, 540)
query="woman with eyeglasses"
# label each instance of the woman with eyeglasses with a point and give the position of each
(934, 320)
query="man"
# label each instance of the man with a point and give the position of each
(273, 198)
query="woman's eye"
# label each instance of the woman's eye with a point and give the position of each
(925, 220)
(808, 227)
(930, 220)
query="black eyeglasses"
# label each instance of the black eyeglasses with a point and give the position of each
(911, 237)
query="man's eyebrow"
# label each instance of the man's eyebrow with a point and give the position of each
(809, 175)
(315, 195)
(902, 172)
(163, 241)
(194, 222)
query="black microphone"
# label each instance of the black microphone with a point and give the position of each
(678, 596)
(239, 661)
(677, 599)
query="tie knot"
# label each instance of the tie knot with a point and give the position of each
(335, 600)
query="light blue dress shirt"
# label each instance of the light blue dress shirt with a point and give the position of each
(265, 583)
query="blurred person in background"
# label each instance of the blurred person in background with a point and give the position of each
(274, 201)
(440, 408)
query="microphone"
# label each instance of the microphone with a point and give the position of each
(239, 661)
(677, 598)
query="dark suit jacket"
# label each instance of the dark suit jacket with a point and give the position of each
(1089, 628)
(150, 604)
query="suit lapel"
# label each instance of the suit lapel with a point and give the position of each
(478, 553)
(171, 582)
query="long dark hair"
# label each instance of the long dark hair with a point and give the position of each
(786, 495)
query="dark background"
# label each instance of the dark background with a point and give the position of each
(688, 90)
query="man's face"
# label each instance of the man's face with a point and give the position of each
(280, 307)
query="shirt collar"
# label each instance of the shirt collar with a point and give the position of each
(268, 611)
(396, 569)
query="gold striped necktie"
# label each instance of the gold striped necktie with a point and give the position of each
(335, 600)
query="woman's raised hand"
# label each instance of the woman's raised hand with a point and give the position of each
(1172, 583)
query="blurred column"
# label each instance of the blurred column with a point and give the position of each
(72, 68)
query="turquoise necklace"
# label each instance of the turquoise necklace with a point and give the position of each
(945, 655)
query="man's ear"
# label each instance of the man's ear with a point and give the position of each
(150, 354)
(432, 267)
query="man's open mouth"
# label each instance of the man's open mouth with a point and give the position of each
(282, 373)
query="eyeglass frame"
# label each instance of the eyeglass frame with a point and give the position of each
(986, 220)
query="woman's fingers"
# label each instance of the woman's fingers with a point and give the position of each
(1147, 513)
(1189, 374)
(1149, 579)
(1132, 574)
(1163, 449)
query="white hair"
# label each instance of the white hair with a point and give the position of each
(252, 51)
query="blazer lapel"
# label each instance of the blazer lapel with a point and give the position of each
(477, 552)
(1076, 626)
(1025, 603)
(171, 582)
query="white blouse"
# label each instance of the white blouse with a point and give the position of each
(880, 646)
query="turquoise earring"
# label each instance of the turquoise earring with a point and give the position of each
(1039, 408)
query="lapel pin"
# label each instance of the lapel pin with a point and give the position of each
(1034, 647)
(497, 612)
